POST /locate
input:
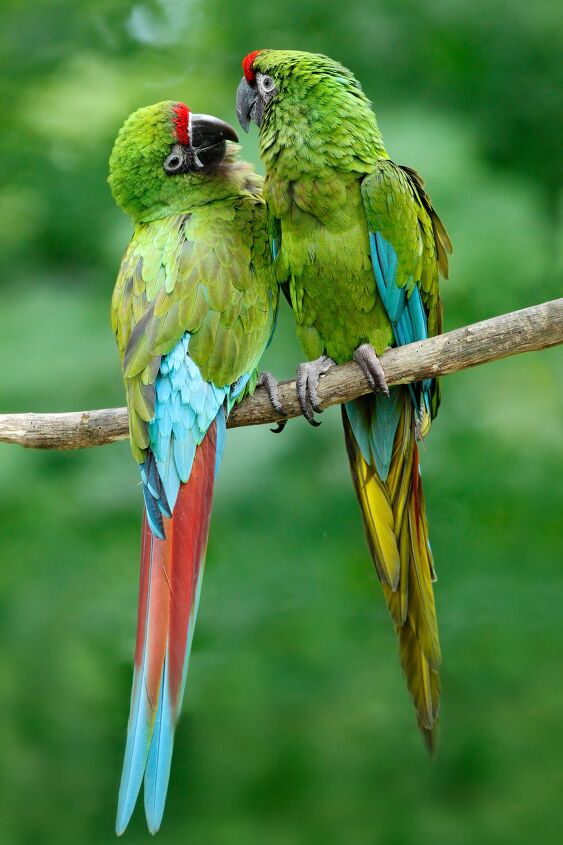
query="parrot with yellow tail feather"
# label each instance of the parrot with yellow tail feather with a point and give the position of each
(358, 251)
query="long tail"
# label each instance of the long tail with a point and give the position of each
(170, 581)
(383, 454)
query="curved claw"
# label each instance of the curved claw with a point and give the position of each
(308, 375)
(370, 365)
(301, 389)
(270, 383)
(312, 384)
(279, 427)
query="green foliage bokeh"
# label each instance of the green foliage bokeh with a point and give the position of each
(297, 728)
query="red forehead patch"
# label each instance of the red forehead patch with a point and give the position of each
(247, 65)
(181, 123)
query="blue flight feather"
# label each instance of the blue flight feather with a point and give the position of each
(417, 315)
(374, 421)
(406, 313)
(221, 434)
(384, 263)
(154, 515)
(184, 454)
(185, 407)
(159, 758)
(359, 415)
(384, 424)
(136, 748)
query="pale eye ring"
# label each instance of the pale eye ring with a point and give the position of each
(268, 84)
(175, 161)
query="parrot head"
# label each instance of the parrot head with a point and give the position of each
(163, 158)
(305, 103)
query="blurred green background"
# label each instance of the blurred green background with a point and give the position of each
(297, 727)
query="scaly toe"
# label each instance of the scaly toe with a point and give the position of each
(302, 396)
(308, 375)
(270, 383)
(371, 367)
(312, 383)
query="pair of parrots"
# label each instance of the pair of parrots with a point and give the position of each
(355, 245)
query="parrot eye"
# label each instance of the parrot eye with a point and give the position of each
(267, 85)
(174, 162)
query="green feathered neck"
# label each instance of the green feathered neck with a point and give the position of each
(139, 184)
(319, 120)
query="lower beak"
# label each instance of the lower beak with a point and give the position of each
(247, 98)
(208, 137)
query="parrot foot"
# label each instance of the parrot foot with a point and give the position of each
(308, 376)
(270, 383)
(369, 364)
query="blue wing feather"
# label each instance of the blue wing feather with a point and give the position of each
(406, 312)
(374, 422)
(185, 407)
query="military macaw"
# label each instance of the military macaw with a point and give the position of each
(193, 309)
(359, 250)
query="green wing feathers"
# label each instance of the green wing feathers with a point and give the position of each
(398, 207)
(207, 273)
(361, 250)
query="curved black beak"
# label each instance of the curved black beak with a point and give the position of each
(208, 136)
(248, 104)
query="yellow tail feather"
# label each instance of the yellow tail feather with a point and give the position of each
(397, 531)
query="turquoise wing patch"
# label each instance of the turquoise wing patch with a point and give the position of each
(185, 407)
(406, 312)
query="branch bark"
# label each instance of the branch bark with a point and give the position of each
(528, 330)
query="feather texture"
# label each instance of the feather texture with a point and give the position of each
(397, 533)
(193, 308)
(186, 441)
(358, 251)
(171, 571)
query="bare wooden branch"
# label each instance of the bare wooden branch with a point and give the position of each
(528, 330)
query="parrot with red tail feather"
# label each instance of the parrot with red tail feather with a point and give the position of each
(193, 309)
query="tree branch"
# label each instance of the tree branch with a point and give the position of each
(531, 329)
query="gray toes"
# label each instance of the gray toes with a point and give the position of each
(371, 367)
(307, 382)
(302, 393)
(312, 383)
(270, 383)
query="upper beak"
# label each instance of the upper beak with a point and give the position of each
(208, 136)
(247, 97)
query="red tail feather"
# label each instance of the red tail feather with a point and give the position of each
(170, 571)
(189, 528)
(170, 577)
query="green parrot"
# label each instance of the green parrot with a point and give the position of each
(193, 309)
(359, 250)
